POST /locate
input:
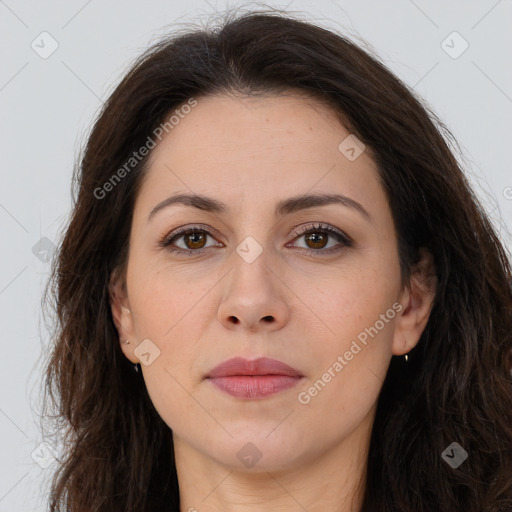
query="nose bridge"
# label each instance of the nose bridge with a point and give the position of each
(251, 277)
(253, 292)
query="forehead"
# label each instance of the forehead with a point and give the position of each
(257, 147)
(274, 123)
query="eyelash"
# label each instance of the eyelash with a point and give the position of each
(341, 237)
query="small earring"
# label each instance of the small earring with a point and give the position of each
(127, 342)
(406, 357)
(136, 367)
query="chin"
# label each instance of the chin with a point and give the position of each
(255, 452)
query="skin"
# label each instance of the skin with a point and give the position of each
(303, 309)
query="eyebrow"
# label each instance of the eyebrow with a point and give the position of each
(284, 207)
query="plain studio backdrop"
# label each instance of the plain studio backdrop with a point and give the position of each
(60, 61)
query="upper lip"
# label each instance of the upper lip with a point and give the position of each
(260, 366)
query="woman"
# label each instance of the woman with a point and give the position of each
(277, 291)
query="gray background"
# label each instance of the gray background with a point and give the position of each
(47, 105)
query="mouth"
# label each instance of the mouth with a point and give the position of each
(252, 379)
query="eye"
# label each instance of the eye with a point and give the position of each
(193, 240)
(317, 237)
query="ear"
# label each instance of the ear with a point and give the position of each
(121, 314)
(417, 300)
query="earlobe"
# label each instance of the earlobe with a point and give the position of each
(417, 300)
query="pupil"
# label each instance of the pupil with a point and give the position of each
(195, 238)
(317, 239)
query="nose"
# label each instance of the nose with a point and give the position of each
(254, 297)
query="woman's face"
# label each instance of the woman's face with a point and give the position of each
(261, 278)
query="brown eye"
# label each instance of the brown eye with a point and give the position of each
(195, 240)
(317, 240)
(187, 241)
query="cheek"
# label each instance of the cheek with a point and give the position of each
(170, 311)
(352, 353)
(165, 299)
(345, 301)
(350, 368)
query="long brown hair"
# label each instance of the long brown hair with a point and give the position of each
(457, 384)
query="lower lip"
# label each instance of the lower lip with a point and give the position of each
(257, 386)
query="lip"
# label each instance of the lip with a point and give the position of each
(257, 378)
